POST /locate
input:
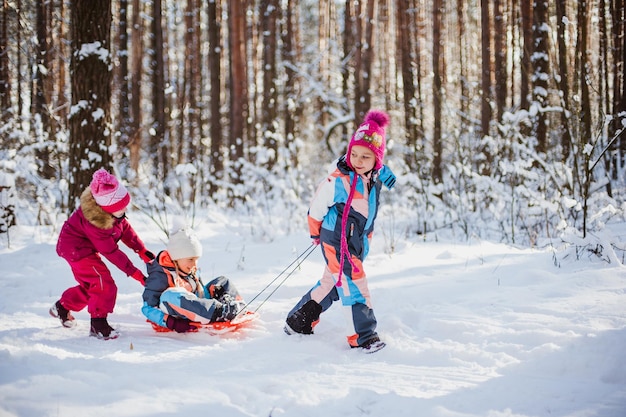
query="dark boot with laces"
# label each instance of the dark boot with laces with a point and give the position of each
(372, 345)
(63, 314)
(100, 328)
(303, 319)
(228, 310)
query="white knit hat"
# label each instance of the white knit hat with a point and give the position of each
(184, 244)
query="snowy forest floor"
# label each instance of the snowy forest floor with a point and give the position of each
(472, 329)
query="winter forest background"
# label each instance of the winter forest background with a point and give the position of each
(503, 112)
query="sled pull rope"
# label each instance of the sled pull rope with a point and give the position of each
(298, 261)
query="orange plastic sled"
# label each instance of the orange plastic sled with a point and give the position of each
(218, 327)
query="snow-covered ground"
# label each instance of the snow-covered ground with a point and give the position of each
(472, 329)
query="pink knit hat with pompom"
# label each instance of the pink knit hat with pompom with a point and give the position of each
(371, 134)
(108, 192)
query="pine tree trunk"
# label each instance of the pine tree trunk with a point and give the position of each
(122, 77)
(5, 81)
(159, 145)
(216, 160)
(137, 50)
(41, 102)
(407, 63)
(528, 48)
(290, 58)
(485, 113)
(500, 53)
(238, 82)
(540, 72)
(90, 126)
(269, 15)
(437, 169)
(563, 82)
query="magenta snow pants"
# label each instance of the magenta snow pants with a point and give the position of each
(96, 288)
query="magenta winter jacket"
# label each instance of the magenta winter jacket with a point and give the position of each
(91, 230)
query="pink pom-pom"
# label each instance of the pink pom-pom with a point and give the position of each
(102, 182)
(377, 116)
(101, 176)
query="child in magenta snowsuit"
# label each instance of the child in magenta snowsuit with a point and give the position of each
(341, 220)
(93, 231)
(175, 297)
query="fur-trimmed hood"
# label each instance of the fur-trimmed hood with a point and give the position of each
(91, 230)
(93, 212)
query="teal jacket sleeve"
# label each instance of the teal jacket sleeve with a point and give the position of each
(153, 314)
(387, 177)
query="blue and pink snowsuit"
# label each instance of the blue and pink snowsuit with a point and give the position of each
(325, 220)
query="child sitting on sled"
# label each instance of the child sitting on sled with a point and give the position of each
(176, 298)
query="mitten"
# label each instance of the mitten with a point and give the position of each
(138, 275)
(178, 324)
(386, 176)
(316, 241)
(146, 256)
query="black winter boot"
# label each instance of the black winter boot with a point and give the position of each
(100, 328)
(228, 309)
(63, 314)
(374, 344)
(304, 319)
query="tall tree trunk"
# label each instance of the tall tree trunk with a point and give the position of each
(604, 99)
(20, 76)
(323, 42)
(349, 47)
(290, 58)
(500, 53)
(41, 102)
(187, 146)
(528, 49)
(359, 112)
(253, 58)
(159, 143)
(563, 82)
(137, 51)
(63, 97)
(190, 124)
(407, 64)
(417, 7)
(216, 161)
(437, 170)
(485, 113)
(618, 36)
(514, 45)
(124, 123)
(387, 83)
(621, 7)
(269, 15)
(238, 82)
(603, 62)
(90, 125)
(5, 81)
(583, 71)
(585, 105)
(463, 56)
(540, 72)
